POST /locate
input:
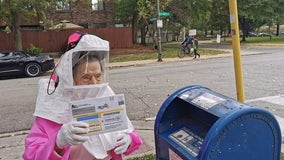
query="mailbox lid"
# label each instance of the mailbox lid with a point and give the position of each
(252, 133)
(210, 101)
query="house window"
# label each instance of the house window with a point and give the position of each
(62, 6)
(85, 25)
(99, 25)
(98, 5)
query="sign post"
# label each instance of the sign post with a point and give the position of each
(159, 34)
(236, 49)
(218, 40)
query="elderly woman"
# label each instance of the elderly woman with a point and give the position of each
(81, 73)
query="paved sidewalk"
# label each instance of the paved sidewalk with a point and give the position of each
(12, 144)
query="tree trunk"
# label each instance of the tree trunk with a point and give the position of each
(205, 32)
(143, 35)
(211, 32)
(155, 39)
(277, 28)
(243, 26)
(16, 30)
(143, 26)
(134, 28)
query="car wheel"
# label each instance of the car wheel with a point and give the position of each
(32, 69)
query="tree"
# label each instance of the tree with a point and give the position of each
(277, 15)
(126, 13)
(219, 16)
(199, 14)
(252, 13)
(15, 11)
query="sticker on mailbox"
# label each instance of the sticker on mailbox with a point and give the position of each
(187, 140)
(207, 100)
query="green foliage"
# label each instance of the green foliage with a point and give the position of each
(124, 11)
(33, 49)
(14, 11)
(203, 15)
(7, 29)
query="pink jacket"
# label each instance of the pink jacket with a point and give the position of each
(40, 142)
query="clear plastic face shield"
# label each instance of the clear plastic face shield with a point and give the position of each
(89, 67)
(81, 75)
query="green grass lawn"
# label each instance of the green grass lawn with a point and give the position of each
(274, 39)
(169, 50)
(257, 40)
(145, 157)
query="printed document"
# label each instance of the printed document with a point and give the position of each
(104, 114)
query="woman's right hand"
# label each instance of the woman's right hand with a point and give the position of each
(73, 133)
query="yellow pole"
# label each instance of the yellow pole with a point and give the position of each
(236, 49)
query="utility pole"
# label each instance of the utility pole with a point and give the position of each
(159, 33)
(236, 49)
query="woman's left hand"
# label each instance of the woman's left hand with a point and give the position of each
(123, 141)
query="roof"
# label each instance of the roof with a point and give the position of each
(65, 24)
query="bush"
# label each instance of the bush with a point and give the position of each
(33, 49)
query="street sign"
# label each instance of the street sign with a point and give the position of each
(159, 23)
(153, 19)
(164, 14)
(192, 32)
(218, 39)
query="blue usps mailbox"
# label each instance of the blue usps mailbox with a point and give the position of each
(196, 123)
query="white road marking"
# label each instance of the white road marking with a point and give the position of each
(271, 99)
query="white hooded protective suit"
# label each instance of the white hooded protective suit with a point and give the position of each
(55, 107)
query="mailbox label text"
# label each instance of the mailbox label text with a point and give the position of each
(207, 100)
(187, 140)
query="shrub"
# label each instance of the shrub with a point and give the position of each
(33, 49)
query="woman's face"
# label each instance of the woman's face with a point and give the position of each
(88, 74)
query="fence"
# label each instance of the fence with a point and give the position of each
(56, 40)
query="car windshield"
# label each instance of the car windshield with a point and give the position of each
(5, 54)
(29, 54)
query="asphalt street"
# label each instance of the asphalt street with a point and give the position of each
(12, 143)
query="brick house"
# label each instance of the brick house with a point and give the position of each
(85, 13)
(92, 14)
(95, 16)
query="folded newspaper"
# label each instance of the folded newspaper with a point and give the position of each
(104, 114)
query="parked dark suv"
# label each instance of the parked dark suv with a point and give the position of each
(24, 63)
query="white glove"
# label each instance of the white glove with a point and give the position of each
(123, 141)
(72, 134)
